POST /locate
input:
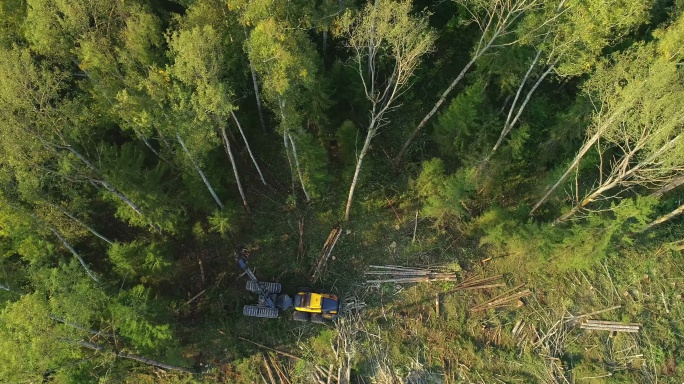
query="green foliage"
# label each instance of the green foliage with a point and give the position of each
(96, 97)
(313, 157)
(347, 138)
(139, 260)
(444, 197)
(459, 129)
(223, 221)
(125, 168)
(131, 315)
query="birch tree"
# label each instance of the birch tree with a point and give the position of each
(287, 62)
(495, 20)
(648, 135)
(384, 32)
(626, 85)
(42, 331)
(568, 41)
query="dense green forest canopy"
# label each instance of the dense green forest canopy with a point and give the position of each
(536, 142)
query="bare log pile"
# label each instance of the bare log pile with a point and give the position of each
(399, 274)
(612, 326)
(509, 298)
(325, 253)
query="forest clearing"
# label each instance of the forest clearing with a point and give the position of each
(449, 191)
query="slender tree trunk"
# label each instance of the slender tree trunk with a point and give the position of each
(10, 289)
(289, 159)
(257, 93)
(126, 200)
(235, 171)
(586, 201)
(147, 143)
(138, 358)
(670, 186)
(73, 251)
(109, 100)
(583, 151)
(299, 172)
(249, 150)
(108, 186)
(508, 125)
(281, 105)
(197, 168)
(665, 218)
(84, 225)
(80, 327)
(624, 173)
(164, 140)
(357, 170)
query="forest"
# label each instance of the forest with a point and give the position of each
(506, 177)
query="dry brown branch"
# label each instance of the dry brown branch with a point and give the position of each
(503, 300)
(575, 318)
(268, 370)
(300, 247)
(279, 370)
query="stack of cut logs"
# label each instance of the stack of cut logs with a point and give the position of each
(399, 274)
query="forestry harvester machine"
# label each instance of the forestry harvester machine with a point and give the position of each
(308, 305)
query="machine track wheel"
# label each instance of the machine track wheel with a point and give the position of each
(301, 316)
(267, 286)
(259, 311)
(317, 318)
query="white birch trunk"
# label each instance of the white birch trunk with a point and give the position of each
(299, 171)
(249, 150)
(508, 124)
(289, 159)
(670, 186)
(73, 251)
(138, 358)
(507, 129)
(357, 170)
(621, 175)
(583, 151)
(109, 187)
(84, 225)
(197, 168)
(257, 93)
(442, 99)
(235, 171)
(665, 218)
